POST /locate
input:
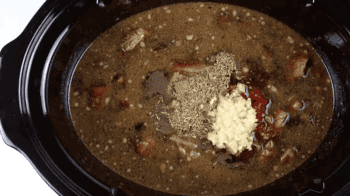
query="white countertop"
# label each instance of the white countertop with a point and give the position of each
(17, 176)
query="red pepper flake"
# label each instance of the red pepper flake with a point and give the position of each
(98, 94)
(260, 127)
(146, 147)
(259, 103)
(317, 73)
(147, 32)
(257, 96)
(248, 27)
(186, 63)
(320, 75)
(244, 96)
(222, 20)
(124, 104)
(99, 91)
(259, 110)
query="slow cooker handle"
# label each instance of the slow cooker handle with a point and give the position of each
(12, 128)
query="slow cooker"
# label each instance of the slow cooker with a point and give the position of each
(36, 71)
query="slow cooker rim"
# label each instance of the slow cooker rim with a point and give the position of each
(27, 142)
(21, 37)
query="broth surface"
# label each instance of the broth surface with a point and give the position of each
(121, 92)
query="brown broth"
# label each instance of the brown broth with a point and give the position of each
(106, 107)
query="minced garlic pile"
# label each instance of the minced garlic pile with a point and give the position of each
(235, 119)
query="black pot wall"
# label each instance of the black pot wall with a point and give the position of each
(37, 70)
